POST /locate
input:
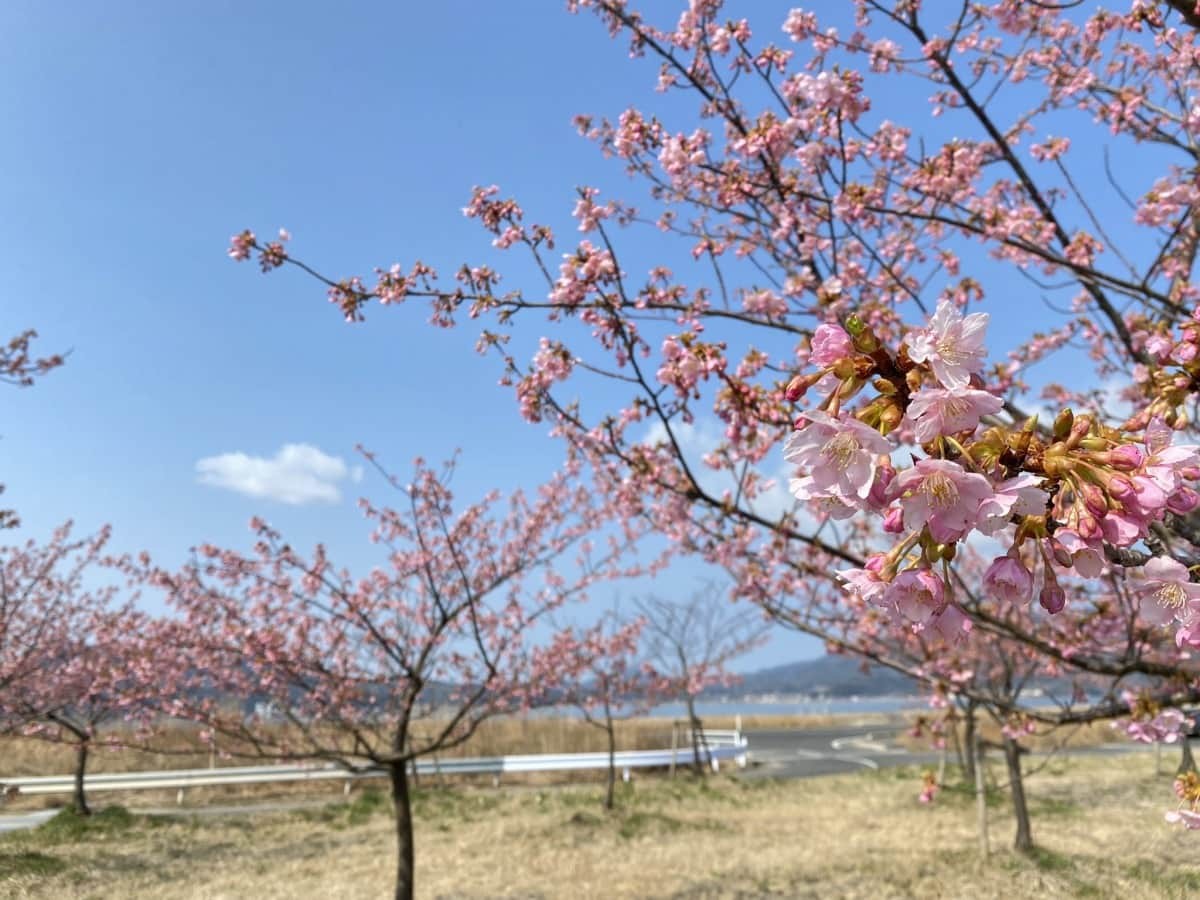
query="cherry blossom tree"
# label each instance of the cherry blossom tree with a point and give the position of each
(52, 623)
(850, 194)
(601, 678)
(97, 681)
(985, 673)
(380, 670)
(689, 645)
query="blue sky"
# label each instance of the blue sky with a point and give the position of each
(142, 140)
(142, 136)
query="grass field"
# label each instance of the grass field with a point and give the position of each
(1098, 823)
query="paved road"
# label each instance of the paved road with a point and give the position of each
(785, 753)
(17, 821)
(830, 751)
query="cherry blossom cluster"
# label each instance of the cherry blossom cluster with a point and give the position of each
(1149, 723)
(1170, 371)
(929, 787)
(1187, 789)
(1056, 496)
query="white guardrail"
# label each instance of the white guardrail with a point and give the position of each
(721, 745)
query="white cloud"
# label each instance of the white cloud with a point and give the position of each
(297, 474)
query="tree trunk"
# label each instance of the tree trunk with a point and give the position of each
(1012, 758)
(975, 752)
(969, 740)
(402, 803)
(81, 757)
(958, 747)
(1187, 762)
(699, 746)
(611, 786)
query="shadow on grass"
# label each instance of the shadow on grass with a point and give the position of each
(1171, 881)
(69, 827)
(29, 862)
(358, 811)
(630, 824)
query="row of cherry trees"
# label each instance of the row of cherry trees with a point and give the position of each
(277, 655)
(974, 516)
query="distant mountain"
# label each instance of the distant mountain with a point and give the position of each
(833, 676)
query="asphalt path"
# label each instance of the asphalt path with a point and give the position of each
(789, 753)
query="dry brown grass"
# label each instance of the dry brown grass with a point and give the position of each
(1045, 740)
(1098, 822)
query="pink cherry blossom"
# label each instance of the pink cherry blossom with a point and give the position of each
(1164, 462)
(1166, 592)
(951, 625)
(865, 583)
(917, 594)
(1009, 580)
(1019, 496)
(1189, 819)
(840, 456)
(942, 495)
(829, 344)
(1150, 724)
(937, 411)
(952, 345)
(1087, 557)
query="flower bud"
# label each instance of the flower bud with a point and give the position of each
(1079, 430)
(1007, 579)
(1052, 598)
(890, 418)
(1094, 499)
(1018, 443)
(1063, 423)
(1182, 501)
(893, 522)
(1061, 554)
(1089, 528)
(845, 369)
(1126, 457)
(866, 342)
(1120, 487)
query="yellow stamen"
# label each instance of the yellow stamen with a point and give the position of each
(1170, 596)
(940, 490)
(840, 449)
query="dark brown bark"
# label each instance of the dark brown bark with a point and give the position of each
(611, 786)
(1012, 759)
(969, 741)
(699, 745)
(1187, 763)
(81, 758)
(975, 751)
(402, 804)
